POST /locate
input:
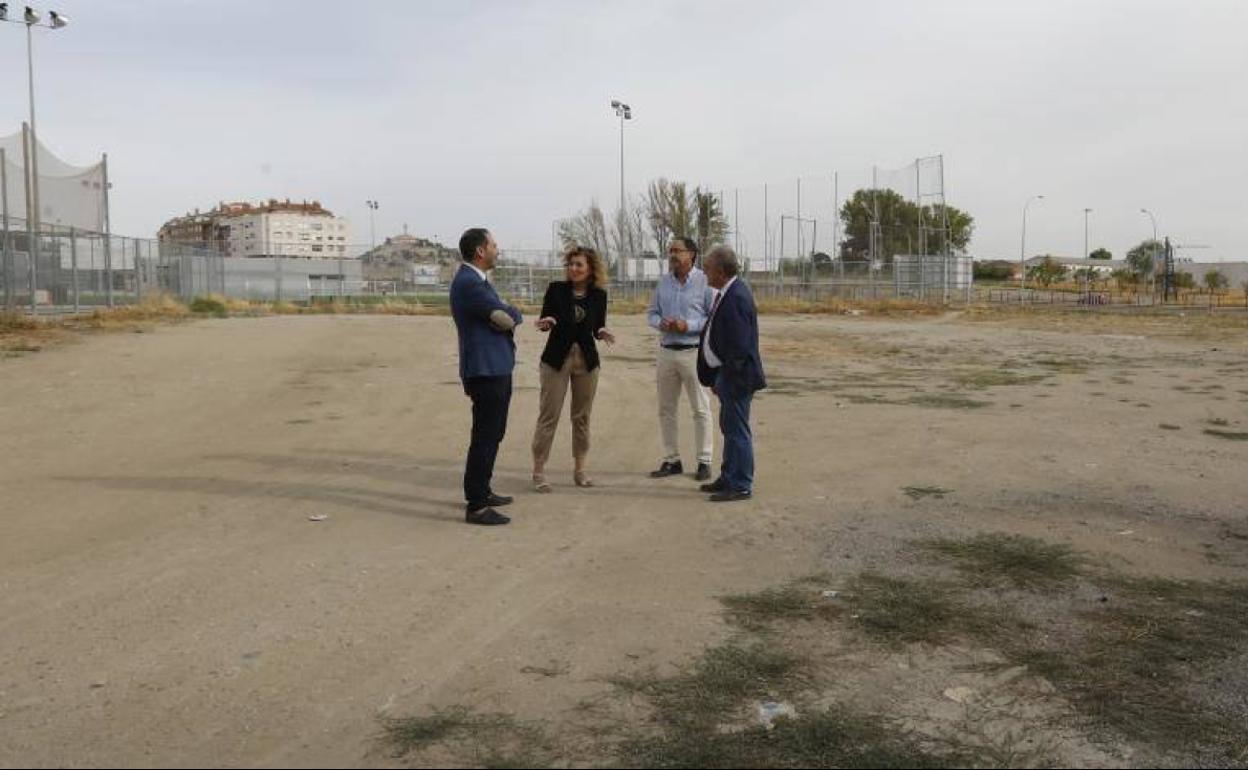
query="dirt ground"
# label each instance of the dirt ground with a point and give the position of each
(168, 601)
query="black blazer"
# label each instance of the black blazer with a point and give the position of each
(560, 305)
(734, 338)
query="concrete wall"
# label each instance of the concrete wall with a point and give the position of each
(1235, 272)
(267, 278)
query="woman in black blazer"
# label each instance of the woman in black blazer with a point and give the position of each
(574, 312)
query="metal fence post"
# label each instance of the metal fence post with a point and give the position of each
(7, 245)
(31, 235)
(73, 263)
(138, 273)
(108, 238)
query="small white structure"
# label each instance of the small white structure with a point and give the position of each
(921, 275)
(1099, 265)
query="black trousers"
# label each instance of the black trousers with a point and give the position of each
(491, 397)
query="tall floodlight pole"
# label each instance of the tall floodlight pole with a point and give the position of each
(1152, 277)
(31, 18)
(623, 112)
(1086, 253)
(1087, 271)
(372, 229)
(1022, 252)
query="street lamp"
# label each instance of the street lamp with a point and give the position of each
(372, 230)
(1022, 252)
(31, 18)
(623, 112)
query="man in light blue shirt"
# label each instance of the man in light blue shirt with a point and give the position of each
(679, 309)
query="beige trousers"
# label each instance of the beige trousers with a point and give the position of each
(677, 370)
(554, 389)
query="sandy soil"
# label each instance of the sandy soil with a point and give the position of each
(168, 601)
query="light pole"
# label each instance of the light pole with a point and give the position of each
(623, 112)
(1152, 274)
(1087, 271)
(1022, 252)
(372, 229)
(1086, 253)
(31, 18)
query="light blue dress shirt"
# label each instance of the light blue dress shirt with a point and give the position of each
(690, 300)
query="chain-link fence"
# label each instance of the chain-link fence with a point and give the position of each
(63, 269)
(926, 278)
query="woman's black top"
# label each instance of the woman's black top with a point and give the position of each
(577, 320)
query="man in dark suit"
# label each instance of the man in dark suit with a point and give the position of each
(487, 355)
(729, 363)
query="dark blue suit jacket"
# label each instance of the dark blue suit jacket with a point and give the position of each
(734, 338)
(483, 350)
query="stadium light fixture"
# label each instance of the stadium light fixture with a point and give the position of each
(4, 11)
(58, 19)
(32, 16)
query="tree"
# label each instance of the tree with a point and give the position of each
(993, 270)
(1214, 280)
(669, 211)
(899, 223)
(1140, 258)
(672, 210)
(1184, 280)
(588, 228)
(1124, 277)
(1101, 253)
(628, 231)
(1048, 271)
(712, 227)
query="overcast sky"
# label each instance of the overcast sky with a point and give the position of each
(497, 113)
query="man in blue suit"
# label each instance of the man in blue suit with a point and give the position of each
(729, 363)
(487, 354)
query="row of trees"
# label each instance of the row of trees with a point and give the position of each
(1050, 271)
(672, 209)
(668, 210)
(1139, 265)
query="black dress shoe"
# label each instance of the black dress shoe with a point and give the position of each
(495, 501)
(486, 517)
(729, 495)
(715, 486)
(704, 473)
(668, 469)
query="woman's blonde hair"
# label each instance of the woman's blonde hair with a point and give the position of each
(597, 268)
